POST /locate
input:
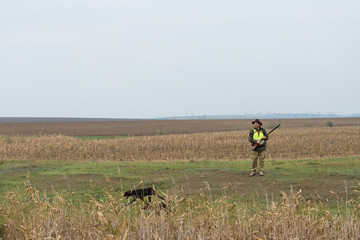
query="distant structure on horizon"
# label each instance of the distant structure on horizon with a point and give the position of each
(191, 117)
(264, 116)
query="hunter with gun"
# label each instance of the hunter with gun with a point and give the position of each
(258, 138)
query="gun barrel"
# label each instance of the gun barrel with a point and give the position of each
(255, 146)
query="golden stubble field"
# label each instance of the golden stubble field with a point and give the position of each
(284, 143)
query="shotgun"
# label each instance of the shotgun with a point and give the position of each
(257, 144)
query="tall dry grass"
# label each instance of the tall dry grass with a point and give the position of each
(289, 143)
(30, 214)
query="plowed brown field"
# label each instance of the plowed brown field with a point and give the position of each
(156, 127)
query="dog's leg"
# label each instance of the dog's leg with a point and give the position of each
(157, 195)
(164, 206)
(144, 200)
(163, 203)
(147, 205)
(132, 201)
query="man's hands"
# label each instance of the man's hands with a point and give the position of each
(265, 137)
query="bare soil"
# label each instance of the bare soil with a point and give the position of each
(214, 183)
(154, 127)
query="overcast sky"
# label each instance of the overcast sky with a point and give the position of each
(157, 58)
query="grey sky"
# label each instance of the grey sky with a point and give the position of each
(121, 59)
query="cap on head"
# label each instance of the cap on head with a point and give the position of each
(256, 120)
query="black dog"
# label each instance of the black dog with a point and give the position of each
(141, 193)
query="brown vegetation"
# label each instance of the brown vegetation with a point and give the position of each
(288, 143)
(35, 216)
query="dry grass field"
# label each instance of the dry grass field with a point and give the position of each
(287, 143)
(159, 127)
(199, 156)
(32, 215)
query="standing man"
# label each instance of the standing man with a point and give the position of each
(257, 135)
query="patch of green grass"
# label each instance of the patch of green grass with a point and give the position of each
(304, 168)
(316, 177)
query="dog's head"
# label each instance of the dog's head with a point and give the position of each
(127, 194)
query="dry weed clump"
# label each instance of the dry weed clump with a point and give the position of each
(288, 143)
(31, 215)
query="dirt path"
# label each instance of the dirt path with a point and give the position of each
(217, 183)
